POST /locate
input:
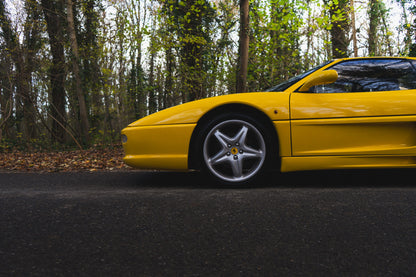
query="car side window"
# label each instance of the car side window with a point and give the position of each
(371, 75)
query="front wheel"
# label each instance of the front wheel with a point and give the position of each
(235, 149)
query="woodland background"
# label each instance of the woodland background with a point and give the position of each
(75, 72)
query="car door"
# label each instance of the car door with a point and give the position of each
(369, 110)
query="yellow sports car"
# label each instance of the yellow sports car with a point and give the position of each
(346, 113)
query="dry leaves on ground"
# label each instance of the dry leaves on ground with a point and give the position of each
(79, 160)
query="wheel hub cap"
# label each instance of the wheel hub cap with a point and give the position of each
(234, 150)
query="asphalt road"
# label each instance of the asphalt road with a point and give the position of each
(360, 223)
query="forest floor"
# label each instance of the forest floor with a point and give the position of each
(102, 159)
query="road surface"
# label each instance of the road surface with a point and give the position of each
(360, 223)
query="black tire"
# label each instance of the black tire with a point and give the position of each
(235, 149)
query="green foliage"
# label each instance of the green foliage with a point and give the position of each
(138, 57)
(136, 89)
(339, 11)
(412, 29)
(274, 42)
(378, 30)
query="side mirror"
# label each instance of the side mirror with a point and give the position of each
(321, 78)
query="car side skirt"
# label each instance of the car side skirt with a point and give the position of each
(163, 162)
(346, 162)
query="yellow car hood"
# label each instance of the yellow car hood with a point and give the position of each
(273, 104)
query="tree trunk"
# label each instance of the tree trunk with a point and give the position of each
(152, 87)
(193, 15)
(75, 67)
(354, 30)
(167, 93)
(339, 13)
(407, 28)
(241, 82)
(52, 10)
(372, 31)
(6, 97)
(309, 38)
(90, 68)
(22, 57)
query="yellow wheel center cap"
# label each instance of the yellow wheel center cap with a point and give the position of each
(234, 151)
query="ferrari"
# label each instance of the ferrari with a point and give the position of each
(344, 114)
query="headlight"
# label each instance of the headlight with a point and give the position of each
(123, 138)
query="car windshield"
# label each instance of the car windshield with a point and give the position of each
(286, 84)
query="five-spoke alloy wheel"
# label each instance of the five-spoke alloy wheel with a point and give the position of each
(234, 149)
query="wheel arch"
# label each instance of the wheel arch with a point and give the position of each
(193, 159)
